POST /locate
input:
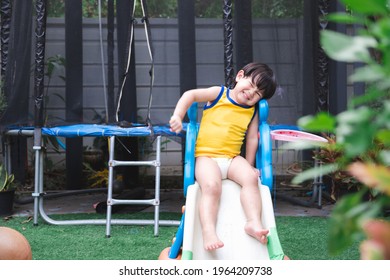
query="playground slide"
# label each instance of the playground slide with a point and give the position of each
(188, 243)
(230, 227)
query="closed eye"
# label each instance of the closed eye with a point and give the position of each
(257, 92)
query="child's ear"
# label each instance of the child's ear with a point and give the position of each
(240, 75)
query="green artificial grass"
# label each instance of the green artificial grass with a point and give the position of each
(306, 238)
(302, 238)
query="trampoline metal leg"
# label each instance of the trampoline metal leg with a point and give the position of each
(110, 185)
(157, 186)
(38, 182)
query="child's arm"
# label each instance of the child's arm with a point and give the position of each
(252, 140)
(186, 100)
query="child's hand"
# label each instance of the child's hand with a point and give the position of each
(176, 124)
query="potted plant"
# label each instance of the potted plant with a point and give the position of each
(7, 191)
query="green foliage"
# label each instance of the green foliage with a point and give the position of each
(277, 8)
(349, 49)
(318, 123)
(203, 8)
(90, 8)
(6, 180)
(361, 132)
(360, 6)
(160, 9)
(208, 8)
(56, 8)
(348, 217)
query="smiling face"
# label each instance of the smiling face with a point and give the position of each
(245, 92)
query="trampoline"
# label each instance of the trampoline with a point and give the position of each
(111, 132)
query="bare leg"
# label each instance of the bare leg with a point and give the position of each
(245, 175)
(208, 175)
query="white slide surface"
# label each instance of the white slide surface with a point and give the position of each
(230, 226)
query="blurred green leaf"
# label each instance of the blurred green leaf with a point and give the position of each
(383, 118)
(346, 221)
(352, 125)
(345, 18)
(385, 157)
(381, 29)
(322, 122)
(359, 141)
(372, 175)
(384, 136)
(300, 145)
(367, 7)
(346, 48)
(359, 115)
(372, 95)
(314, 172)
(368, 74)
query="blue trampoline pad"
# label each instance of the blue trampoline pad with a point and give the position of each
(95, 130)
(102, 130)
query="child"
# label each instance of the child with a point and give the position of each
(229, 116)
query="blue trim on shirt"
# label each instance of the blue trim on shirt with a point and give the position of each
(234, 102)
(216, 99)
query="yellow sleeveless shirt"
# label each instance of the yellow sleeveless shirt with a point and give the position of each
(223, 127)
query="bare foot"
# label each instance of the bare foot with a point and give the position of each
(257, 232)
(211, 242)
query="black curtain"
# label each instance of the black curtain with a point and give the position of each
(16, 40)
(243, 33)
(187, 50)
(74, 90)
(17, 74)
(110, 62)
(310, 51)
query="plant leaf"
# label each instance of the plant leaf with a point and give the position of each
(372, 175)
(367, 7)
(369, 73)
(314, 172)
(345, 18)
(352, 125)
(384, 136)
(385, 157)
(319, 123)
(378, 234)
(3, 178)
(347, 48)
(347, 219)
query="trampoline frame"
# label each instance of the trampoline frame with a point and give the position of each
(39, 193)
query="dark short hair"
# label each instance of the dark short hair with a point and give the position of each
(263, 77)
